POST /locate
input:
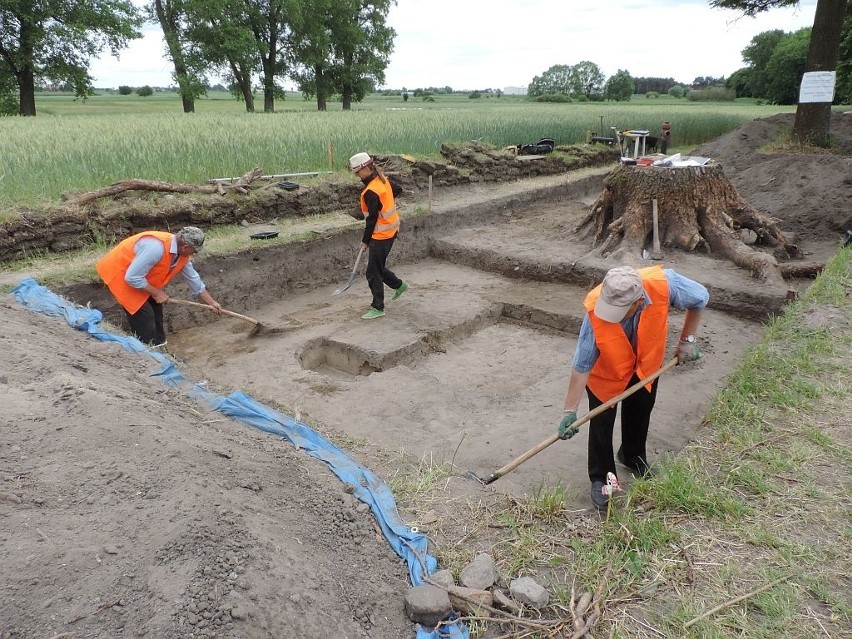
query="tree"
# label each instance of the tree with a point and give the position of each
(171, 15)
(619, 87)
(341, 46)
(660, 85)
(220, 33)
(269, 22)
(756, 56)
(844, 65)
(57, 39)
(812, 118)
(587, 79)
(785, 67)
(557, 79)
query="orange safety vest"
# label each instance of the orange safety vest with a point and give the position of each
(388, 223)
(113, 267)
(617, 361)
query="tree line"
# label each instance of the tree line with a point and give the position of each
(327, 47)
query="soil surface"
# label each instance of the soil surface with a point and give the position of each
(129, 510)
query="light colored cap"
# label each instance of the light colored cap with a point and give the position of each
(193, 236)
(359, 161)
(622, 286)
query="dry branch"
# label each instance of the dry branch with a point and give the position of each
(240, 186)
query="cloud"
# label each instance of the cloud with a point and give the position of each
(478, 44)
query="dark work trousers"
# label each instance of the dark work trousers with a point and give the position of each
(147, 323)
(635, 418)
(378, 274)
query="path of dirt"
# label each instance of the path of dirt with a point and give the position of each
(127, 510)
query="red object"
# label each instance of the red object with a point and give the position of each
(644, 161)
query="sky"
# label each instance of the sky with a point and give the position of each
(481, 44)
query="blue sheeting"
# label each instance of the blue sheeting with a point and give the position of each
(239, 406)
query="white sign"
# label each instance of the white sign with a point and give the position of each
(817, 86)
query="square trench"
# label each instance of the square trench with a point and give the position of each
(468, 366)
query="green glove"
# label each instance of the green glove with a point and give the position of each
(687, 352)
(566, 431)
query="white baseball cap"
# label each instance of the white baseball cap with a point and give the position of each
(621, 287)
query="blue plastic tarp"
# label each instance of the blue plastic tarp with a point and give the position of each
(411, 547)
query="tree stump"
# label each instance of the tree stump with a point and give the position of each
(699, 210)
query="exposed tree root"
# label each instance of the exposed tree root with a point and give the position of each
(699, 209)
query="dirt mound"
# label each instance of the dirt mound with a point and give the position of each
(808, 193)
(129, 511)
(67, 227)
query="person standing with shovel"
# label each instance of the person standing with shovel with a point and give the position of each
(137, 269)
(623, 340)
(378, 207)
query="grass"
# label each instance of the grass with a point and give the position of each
(744, 533)
(74, 146)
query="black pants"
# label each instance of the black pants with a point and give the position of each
(378, 274)
(635, 419)
(147, 323)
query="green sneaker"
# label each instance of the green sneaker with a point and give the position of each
(398, 292)
(373, 313)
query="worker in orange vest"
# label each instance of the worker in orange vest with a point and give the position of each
(623, 340)
(137, 269)
(378, 207)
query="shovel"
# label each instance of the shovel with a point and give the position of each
(554, 438)
(259, 329)
(353, 275)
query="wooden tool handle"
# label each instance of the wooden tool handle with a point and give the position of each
(358, 259)
(591, 414)
(246, 318)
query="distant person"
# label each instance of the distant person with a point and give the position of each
(623, 340)
(665, 137)
(378, 207)
(137, 269)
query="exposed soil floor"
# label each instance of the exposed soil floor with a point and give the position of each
(128, 510)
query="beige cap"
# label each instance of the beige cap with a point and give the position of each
(621, 287)
(359, 161)
(193, 236)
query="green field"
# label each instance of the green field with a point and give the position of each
(74, 146)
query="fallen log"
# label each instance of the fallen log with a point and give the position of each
(240, 186)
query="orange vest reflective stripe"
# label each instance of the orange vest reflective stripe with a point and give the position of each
(388, 223)
(113, 266)
(617, 361)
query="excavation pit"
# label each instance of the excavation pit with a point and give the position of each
(472, 364)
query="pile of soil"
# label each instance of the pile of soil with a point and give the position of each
(128, 511)
(808, 193)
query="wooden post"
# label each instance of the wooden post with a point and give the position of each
(329, 151)
(656, 254)
(430, 193)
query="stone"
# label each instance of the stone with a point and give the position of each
(480, 573)
(443, 578)
(529, 592)
(427, 605)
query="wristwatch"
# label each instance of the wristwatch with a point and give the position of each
(689, 339)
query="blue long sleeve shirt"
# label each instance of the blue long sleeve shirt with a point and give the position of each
(149, 251)
(684, 293)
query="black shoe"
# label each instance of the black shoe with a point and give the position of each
(599, 499)
(639, 465)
